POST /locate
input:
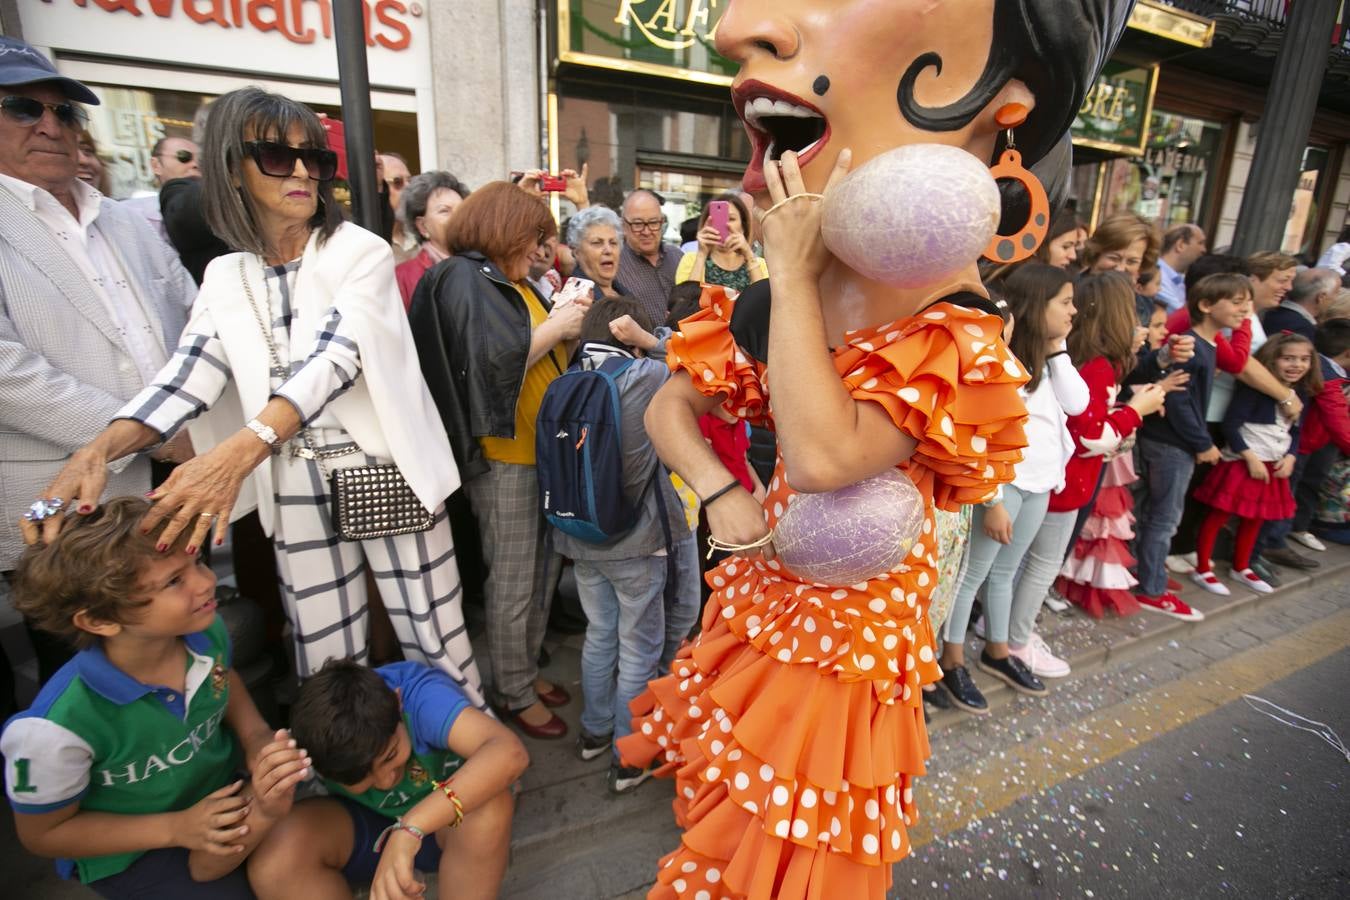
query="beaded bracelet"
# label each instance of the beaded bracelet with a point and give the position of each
(445, 788)
(399, 825)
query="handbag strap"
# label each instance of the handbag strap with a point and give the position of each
(277, 365)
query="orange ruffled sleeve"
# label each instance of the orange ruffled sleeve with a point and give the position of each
(946, 379)
(704, 347)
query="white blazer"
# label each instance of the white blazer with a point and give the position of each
(387, 410)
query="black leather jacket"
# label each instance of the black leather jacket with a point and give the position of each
(472, 332)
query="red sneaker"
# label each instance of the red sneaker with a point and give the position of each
(1170, 605)
(1173, 585)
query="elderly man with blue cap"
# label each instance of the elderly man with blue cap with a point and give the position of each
(91, 304)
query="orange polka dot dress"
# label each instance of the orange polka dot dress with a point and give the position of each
(793, 724)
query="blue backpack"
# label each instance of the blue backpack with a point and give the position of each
(579, 454)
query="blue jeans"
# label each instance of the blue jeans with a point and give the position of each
(1165, 474)
(683, 612)
(625, 635)
(997, 563)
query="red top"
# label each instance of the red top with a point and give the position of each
(730, 441)
(1096, 431)
(1230, 352)
(409, 272)
(1327, 418)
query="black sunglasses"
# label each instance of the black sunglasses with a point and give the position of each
(27, 112)
(278, 160)
(183, 156)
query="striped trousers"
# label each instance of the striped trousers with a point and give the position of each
(324, 586)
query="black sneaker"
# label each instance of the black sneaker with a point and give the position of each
(589, 746)
(936, 697)
(1013, 671)
(623, 779)
(1266, 571)
(963, 691)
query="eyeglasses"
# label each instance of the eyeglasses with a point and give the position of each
(641, 225)
(278, 160)
(183, 156)
(27, 112)
(397, 182)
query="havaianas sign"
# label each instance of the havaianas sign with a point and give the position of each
(298, 21)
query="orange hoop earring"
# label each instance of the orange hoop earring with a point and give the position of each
(1011, 248)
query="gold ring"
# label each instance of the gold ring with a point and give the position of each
(206, 515)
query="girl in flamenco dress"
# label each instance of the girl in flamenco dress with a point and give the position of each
(793, 724)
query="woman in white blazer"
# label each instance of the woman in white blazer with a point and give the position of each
(347, 373)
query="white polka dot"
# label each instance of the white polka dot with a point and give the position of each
(826, 642)
(689, 867)
(870, 844)
(781, 795)
(808, 799)
(908, 796)
(800, 828)
(809, 625)
(776, 637)
(711, 774)
(695, 712)
(735, 754)
(752, 621)
(742, 781)
(829, 797)
(707, 375)
(702, 895)
(839, 595)
(823, 837)
(869, 384)
(731, 570)
(781, 829)
(716, 747)
(868, 634)
(895, 840)
(977, 346)
(889, 641)
(978, 444)
(1012, 368)
(679, 885)
(908, 693)
(766, 772)
(926, 653)
(983, 361)
(909, 394)
(946, 426)
(777, 510)
(871, 809)
(646, 727)
(936, 316)
(866, 662)
(877, 605)
(725, 725)
(835, 826)
(689, 793)
(750, 807)
(923, 579)
(784, 655)
(713, 876)
(973, 330)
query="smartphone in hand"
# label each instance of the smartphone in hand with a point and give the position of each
(717, 218)
(572, 290)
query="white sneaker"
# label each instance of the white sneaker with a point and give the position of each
(1308, 539)
(1038, 658)
(979, 627)
(1182, 564)
(1055, 603)
(1210, 582)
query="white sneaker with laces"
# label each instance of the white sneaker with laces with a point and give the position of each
(1309, 540)
(1180, 565)
(1039, 658)
(1210, 582)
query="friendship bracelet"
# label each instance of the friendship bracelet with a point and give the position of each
(399, 825)
(707, 501)
(445, 788)
(786, 200)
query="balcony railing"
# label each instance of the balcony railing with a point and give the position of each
(1257, 27)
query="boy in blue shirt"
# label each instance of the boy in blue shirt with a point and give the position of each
(419, 780)
(125, 767)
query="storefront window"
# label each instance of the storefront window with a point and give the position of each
(684, 148)
(129, 121)
(1172, 182)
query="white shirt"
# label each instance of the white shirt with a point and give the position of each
(1060, 394)
(147, 207)
(99, 262)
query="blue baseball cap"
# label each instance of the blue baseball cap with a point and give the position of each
(20, 64)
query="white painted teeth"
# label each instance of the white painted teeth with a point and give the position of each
(759, 107)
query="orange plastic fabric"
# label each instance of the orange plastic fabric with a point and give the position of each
(793, 724)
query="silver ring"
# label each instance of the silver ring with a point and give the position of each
(44, 509)
(206, 515)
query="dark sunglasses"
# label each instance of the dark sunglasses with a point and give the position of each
(278, 160)
(27, 112)
(183, 156)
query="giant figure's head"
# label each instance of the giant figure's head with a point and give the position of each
(876, 74)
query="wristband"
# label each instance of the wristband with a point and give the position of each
(399, 825)
(445, 788)
(266, 433)
(708, 500)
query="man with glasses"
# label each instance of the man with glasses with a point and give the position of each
(647, 263)
(396, 178)
(171, 158)
(90, 303)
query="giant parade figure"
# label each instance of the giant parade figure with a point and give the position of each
(890, 144)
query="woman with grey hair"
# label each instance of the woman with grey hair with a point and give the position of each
(424, 209)
(295, 367)
(593, 235)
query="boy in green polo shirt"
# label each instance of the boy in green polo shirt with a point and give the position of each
(419, 780)
(125, 766)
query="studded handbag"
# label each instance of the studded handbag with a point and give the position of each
(367, 502)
